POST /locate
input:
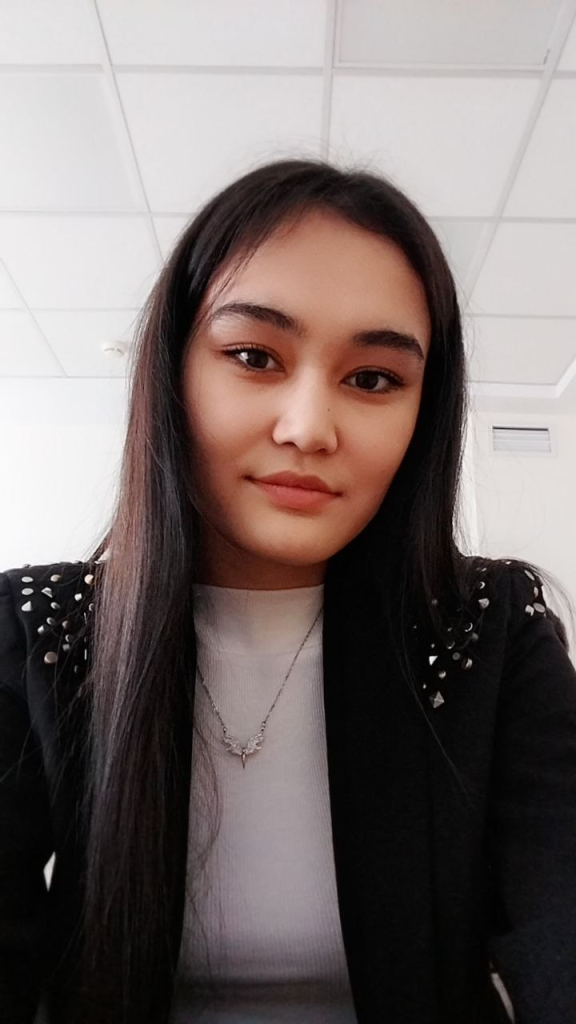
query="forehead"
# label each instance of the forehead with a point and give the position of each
(323, 268)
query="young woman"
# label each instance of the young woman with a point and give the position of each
(298, 757)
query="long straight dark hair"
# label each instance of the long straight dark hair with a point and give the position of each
(143, 647)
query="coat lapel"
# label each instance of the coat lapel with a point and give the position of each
(378, 769)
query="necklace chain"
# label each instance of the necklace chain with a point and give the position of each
(232, 743)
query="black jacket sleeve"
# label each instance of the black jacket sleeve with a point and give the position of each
(533, 814)
(25, 832)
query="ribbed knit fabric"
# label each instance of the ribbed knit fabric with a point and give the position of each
(266, 896)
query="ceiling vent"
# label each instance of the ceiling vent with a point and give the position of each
(522, 440)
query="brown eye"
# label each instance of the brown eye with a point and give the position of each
(393, 383)
(234, 352)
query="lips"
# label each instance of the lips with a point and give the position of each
(286, 479)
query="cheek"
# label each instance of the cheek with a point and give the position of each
(383, 443)
(224, 430)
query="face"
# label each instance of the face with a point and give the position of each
(317, 369)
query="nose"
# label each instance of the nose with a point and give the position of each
(305, 418)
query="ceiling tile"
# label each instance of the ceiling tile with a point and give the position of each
(546, 182)
(447, 32)
(437, 138)
(9, 298)
(529, 271)
(567, 60)
(23, 350)
(253, 33)
(459, 240)
(519, 350)
(77, 337)
(77, 262)
(60, 150)
(59, 32)
(167, 231)
(232, 122)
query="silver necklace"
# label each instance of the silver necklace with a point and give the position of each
(232, 743)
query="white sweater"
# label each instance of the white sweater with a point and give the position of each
(278, 955)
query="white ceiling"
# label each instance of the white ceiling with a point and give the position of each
(118, 118)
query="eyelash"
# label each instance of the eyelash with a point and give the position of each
(395, 383)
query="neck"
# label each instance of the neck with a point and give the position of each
(239, 571)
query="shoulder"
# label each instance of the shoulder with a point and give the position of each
(44, 612)
(504, 602)
(510, 582)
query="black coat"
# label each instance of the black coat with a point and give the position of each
(435, 882)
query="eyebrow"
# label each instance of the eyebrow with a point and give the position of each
(381, 337)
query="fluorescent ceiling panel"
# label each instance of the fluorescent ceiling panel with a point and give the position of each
(58, 32)
(76, 338)
(444, 32)
(519, 350)
(437, 138)
(23, 350)
(60, 150)
(529, 271)
(254, 33)
(546, 182)
(79, 262)
(195, 133)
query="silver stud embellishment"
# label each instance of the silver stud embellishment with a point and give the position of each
(457, 638)
(27, 607)
(50, 657)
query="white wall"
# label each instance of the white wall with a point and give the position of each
(526, 503)
(59, 460)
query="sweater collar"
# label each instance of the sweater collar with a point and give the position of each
(257, 621)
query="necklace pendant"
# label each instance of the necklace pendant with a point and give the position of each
(234, 746)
